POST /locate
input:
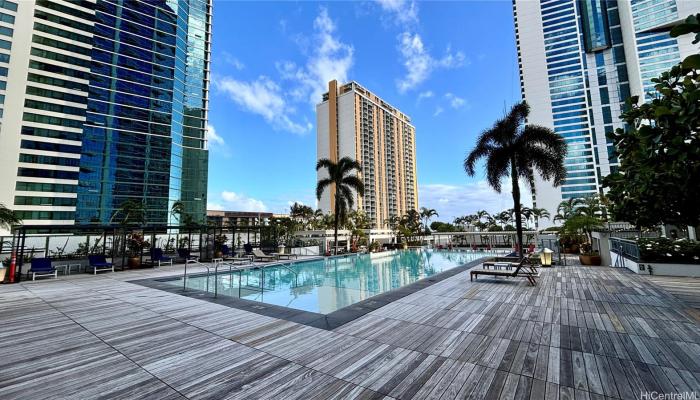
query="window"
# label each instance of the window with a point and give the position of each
(47, 173)
(8, 5)
(45, 187)
(45, 215)
(45, 201)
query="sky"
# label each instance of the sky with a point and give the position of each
(450, 66)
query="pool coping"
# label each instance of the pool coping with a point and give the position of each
(328, 321)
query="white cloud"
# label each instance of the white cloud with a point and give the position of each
(438, 111)
(419, 63)
(329, 59)
(425, 95)
(263, 97)
(415, 57)
(232, 61)
(213, 137)
(403, 11)
(214, 206)
(455, 102)
(452, 60)
(239, 202)
(452, 201)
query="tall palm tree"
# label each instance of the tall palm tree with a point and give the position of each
(341, 181)
(514, 148)
(427, 213)
(8, 218)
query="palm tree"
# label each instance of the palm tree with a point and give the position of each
(538, 213)
(132, 212)
(8, 218)
(514, 148)
(427, 213)
(504, 217)
(179, 211)
(567, 209)
(342, 182)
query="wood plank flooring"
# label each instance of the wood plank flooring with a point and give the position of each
(585, 333)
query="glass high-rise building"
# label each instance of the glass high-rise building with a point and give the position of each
(102, 102)
(579, 61)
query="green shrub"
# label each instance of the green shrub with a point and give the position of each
(669, 251)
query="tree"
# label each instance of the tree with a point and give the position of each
(586, 218)
(426, 214)
(690, 25)
(514, 148)
(659, 152)
(131, 212)
(301, 213)
(566, 209)
(342, 182)
(538, 213)
(8, 218)
(178, 211)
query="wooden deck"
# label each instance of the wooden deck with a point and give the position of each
(585, 333)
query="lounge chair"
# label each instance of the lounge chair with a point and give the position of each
(185, 255)
(98, 262)
(523, 269)
(42, 267)
(157, 256)
(248, 248)
(286, 256)
(259, 255)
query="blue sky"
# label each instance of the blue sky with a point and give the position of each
(450, 66)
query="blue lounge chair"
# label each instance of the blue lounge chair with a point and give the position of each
(157, 256)
(225, 250)
(248, 248)
(42, 267)
(185, 255)
(98, 262)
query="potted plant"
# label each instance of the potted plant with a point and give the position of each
(136, 243)
(584, 220)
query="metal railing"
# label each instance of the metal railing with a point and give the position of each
(234, 267)
(625, 249)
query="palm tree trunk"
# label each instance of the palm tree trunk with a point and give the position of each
(516, 207)
(335, 233)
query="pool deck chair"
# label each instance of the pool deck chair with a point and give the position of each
(286, 256)
(98, 262)
(259, 255)
(185, 255)
(523, 269)
(42, 267)
(158, 257)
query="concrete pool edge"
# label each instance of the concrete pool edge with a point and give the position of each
(329, 321)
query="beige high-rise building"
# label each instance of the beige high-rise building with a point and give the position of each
(353, 122)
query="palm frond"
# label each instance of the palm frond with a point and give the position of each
(497, 165)
(354, 182)
(321, 186)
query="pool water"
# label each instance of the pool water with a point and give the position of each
(326, 285)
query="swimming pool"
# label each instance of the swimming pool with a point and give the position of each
(326, 285)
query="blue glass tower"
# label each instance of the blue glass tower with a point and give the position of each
(579, 61)
(115, 108)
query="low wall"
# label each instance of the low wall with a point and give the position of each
(655, 268)
(664, 269)
(616, 260)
